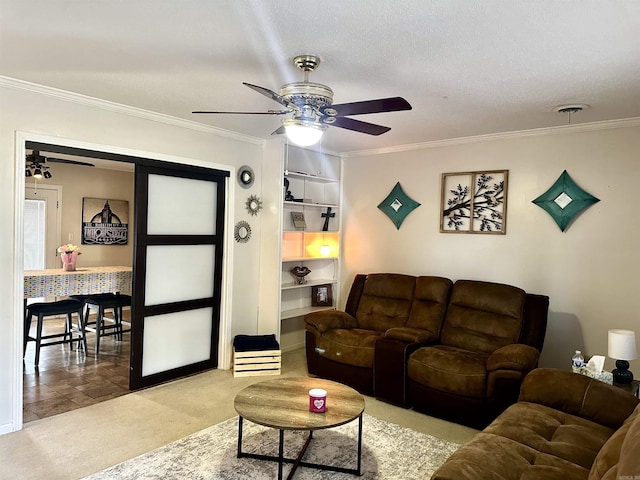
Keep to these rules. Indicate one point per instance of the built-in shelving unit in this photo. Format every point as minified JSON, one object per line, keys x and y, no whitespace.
{"x":311,"y":187}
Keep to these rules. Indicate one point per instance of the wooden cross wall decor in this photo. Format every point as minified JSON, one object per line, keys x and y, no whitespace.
{"x":327,"y":215}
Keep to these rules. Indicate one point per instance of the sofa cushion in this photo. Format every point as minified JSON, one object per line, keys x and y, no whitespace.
{"x":352,"y":347}
{"x":449,"y":369}
{"x":430,"y":304}
{"x":483,"y":316}
{"x":630,"y":455}
{"x":492,"y":457}
{"x":386,"y":301}
{"x":552,"y":431}
{"x":578,"y":395}
{"x":620,"y":456}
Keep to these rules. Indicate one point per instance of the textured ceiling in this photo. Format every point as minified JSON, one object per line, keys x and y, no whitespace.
{"x":467,"y":67}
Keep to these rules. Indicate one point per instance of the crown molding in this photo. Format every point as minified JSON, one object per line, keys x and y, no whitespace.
{"x":64,"y":95}
{"x":581,"y":127}
{"x":124,"y":109}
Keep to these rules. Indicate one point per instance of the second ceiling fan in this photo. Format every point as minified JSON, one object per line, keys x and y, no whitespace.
{"x":312,"y":109}
{"x":36,"y":164}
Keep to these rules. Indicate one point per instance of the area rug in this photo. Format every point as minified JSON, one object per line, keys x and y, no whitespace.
{"x":389,"y":451}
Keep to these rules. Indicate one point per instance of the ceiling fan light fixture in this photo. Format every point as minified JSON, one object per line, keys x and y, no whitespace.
{"x":303,"y":133}
{"x":47,"y":174}
{"x":37,"y":173}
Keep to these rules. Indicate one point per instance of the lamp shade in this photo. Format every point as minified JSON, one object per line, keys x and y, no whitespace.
{"x":303,"y":133}
{"x":622,"y":344}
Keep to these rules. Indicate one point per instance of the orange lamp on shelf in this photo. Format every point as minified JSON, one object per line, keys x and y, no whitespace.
{"x":321,"y":244}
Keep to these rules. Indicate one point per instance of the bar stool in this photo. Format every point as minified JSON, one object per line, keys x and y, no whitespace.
{"x":47,"y":309}
{"x":102,"y":302}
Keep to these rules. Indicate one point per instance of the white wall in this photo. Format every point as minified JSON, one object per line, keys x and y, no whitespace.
{"x":589,"y":272}
{"x":41,"y":111}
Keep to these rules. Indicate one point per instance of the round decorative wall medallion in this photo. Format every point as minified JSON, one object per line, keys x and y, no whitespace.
{"x":253,"y":204}
{"x":245,"y":176}
{"x":242,"y":232}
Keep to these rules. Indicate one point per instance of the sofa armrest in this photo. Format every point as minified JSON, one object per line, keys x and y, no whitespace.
{"x":410,"y":335}
{"x":578,"y":395}
{"x":518,"y":357}
{"x":329,"y":320}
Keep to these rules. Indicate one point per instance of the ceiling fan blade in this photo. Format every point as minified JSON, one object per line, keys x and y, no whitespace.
{"x":71,"y":162}
{"x":268,"y":112}
{"x":393,"y":104}
{"x":357,"y":125}
{"x":269,"y":93}
{"x":279,"y":131}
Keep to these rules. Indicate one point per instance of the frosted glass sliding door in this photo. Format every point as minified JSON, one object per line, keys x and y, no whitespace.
{"x":177,"y":271}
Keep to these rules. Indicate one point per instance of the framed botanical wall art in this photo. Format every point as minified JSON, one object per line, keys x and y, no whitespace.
{"x":474,"y":202}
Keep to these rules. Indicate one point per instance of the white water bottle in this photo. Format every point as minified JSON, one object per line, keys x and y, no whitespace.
{"x":577,"y":361}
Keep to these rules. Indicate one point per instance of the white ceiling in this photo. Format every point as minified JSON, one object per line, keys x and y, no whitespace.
{"x":467,"y":67}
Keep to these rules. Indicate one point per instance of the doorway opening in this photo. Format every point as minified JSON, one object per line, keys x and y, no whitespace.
{"x":68,"y":379}
{"x":78,"y":382}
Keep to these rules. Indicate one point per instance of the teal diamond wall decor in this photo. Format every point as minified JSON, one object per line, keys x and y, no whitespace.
{"x":398,"y":205}
{"x":565,"y":200}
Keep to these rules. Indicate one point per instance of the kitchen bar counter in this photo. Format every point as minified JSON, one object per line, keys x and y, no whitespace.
{"x":55,"y":282}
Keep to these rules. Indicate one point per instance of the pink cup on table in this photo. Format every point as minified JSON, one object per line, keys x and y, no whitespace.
{"x":317,"y":400}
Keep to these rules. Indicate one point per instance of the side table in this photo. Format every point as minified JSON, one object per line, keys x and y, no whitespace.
{"x":633,"y":388}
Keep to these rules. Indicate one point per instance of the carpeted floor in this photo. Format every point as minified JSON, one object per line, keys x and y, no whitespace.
{"x":81,"y":442}
{"x":389,"y":451}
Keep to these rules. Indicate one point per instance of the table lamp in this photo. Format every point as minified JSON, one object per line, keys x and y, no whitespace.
{"x":622,"y":347}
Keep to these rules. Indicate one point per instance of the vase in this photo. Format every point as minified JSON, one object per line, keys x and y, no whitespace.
{"x":299,"y":273}
{"x":69,"y":261}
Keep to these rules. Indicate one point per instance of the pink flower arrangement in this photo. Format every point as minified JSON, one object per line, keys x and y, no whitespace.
{"x":69,"y":248}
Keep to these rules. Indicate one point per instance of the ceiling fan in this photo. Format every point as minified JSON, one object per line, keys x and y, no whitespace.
{"x":312,"y":108}
{"x":37,"y":165}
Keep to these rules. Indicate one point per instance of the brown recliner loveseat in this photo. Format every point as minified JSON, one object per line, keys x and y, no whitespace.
{"x":390,"y":318}
{"x":491,"y":337}
{"x":341,"y":345}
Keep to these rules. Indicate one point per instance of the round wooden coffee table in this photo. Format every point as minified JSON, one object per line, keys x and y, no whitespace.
{"x":283,"y":403}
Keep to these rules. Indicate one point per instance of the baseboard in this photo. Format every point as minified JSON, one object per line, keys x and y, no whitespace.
{"x":7,"y":428}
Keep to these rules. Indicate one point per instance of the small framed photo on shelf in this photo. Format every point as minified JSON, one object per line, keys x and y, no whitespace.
{"x":298,"y":220}
{"x":321,"y":295}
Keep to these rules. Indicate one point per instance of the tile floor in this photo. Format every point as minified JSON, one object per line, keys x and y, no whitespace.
{"x":69,"y":379}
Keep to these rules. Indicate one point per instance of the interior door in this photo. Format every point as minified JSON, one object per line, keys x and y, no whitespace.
{"x":42,"y":226}
{"x":179,"y":218}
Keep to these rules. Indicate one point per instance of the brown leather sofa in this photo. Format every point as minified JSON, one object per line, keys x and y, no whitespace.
{"x":565,"y":426}
{"x":390,"y":318}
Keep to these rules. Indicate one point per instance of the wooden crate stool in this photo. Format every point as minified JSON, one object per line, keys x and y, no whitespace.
{"x":256,"y":355}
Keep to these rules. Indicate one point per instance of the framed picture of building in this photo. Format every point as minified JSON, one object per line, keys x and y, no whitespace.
{"x":105,"y":221}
